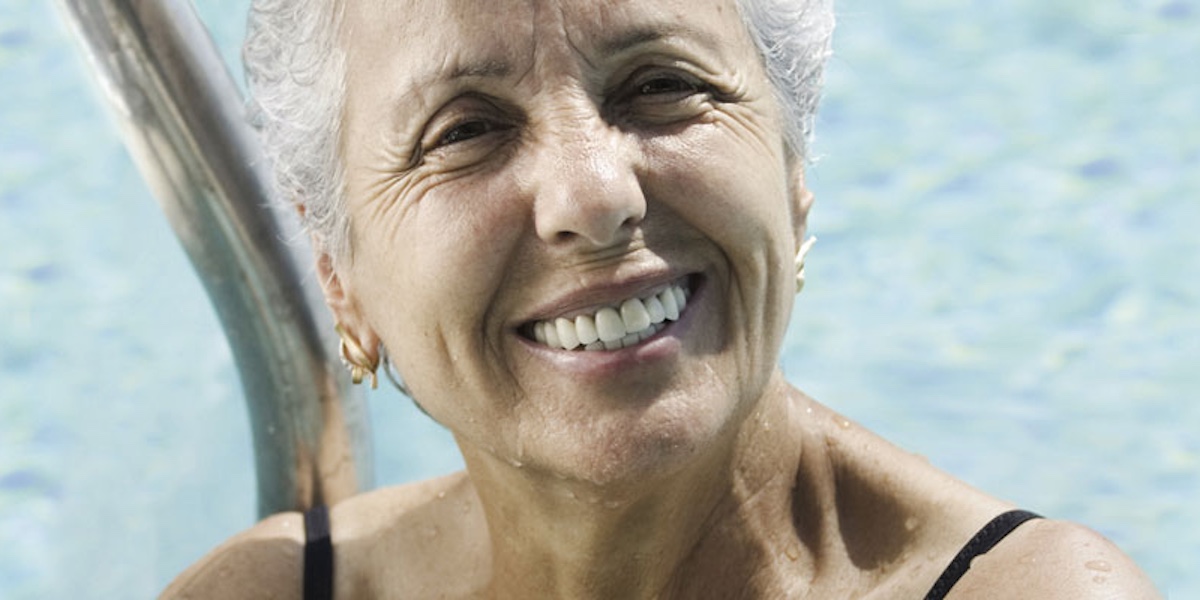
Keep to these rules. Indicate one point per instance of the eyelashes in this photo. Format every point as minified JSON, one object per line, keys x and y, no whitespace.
{"x":472,"y":126}
{"x":464,"y":130}
{"x":467,"y":130}
{"x":656,"y":96}
{"x":664,"y":87}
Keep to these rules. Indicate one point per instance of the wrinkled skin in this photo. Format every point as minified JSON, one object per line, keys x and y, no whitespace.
{"x":560,"y":173}
{"x":512,"y":161}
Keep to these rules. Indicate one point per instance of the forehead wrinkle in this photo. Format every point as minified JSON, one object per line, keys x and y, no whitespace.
{"x":453,"y":70}
{"x":639,"y":36}
{"x":625,"y":26}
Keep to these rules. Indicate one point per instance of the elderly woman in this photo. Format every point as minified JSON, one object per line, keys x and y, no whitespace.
{"x":577,"y":229}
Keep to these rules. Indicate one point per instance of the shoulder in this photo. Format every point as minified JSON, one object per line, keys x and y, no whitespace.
{"x":411,"y":524}
{"x":420,"y":540}
{"x":367,"y":514}
{"x":893,"y":504}
{"x":265,"y":561}
{"x":1055,"y":559}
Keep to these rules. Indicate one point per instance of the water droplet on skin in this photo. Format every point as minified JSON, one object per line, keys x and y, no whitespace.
{"x":793,"y":553}
{"x":441,"y":495}
{"x":1099,"y":579}
{"x":1098,"y":565}
{"x":844,"y":424}
{"x":911,"y":524}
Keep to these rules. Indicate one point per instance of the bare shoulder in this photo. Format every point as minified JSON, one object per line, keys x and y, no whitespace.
{"x":365,"y":514}
{"x":892,"y":504}
{"x":265,"y":561}
{"x":1055,"y":559}
{"x":411,"y":524}
{"x":420,"y":540}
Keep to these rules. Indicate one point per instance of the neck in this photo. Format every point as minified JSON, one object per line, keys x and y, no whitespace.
{"x":723,"y":519}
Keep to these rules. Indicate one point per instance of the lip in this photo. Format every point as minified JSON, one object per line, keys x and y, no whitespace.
{"x":600,"y":364}
{"x":591,"y":299}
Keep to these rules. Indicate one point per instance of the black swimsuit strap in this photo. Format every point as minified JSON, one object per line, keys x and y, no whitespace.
{"x":318,"y":552}
{"x":987,"y":538}
{"x":318,"y":555}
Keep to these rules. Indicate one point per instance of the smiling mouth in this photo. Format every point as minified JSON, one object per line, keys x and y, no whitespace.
{"x":616,"y":326}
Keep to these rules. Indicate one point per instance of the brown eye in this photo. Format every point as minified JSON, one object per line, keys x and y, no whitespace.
{"x":659,"y":96}
{"x":666,"y":85}
{"x":466,"y":131}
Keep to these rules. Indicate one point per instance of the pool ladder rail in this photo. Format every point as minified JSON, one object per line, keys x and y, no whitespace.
{"x":183,"y":121}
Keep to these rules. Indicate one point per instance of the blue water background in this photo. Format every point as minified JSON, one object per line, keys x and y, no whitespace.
{"x":1007,"y":282}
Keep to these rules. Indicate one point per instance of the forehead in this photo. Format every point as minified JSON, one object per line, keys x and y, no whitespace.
{"x":450,"y":20}
{"x":426,"y":39}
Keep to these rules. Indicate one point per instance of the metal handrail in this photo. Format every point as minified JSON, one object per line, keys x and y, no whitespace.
{"x":182,"y":120}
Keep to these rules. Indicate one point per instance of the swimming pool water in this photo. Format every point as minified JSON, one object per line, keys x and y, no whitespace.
{"x":1007,"y":282}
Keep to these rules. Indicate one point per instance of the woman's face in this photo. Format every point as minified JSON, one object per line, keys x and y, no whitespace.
{"x":519,"y":165}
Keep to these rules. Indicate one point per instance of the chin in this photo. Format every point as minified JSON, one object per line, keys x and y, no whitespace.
{"x":639,"y":445}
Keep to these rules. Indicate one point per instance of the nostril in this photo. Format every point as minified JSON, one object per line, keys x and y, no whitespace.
{"x":596,"y":214}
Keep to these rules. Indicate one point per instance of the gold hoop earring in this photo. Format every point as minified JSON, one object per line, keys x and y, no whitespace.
{"x":356,"y":359}
{"x":803,"y":252}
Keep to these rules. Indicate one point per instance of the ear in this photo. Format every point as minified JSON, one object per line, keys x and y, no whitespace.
{"x":343,"y":303}
{"x":800,"y":199}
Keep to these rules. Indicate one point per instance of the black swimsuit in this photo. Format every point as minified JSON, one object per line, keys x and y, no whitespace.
{"x":318,"y":552}
{"x":318,"y":555}
{"x":986,"y":539}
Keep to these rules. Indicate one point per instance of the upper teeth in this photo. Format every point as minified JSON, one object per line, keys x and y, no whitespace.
{"x":614,"y":327}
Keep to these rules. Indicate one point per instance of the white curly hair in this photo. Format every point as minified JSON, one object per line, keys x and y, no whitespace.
{"x":296,"y":77}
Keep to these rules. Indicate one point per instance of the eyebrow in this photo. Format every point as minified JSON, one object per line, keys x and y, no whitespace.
{"x":634,"y":37}
{"x":652,"y":33}
{"x":497,"y":69}
{"x":488,"y":69}
{"x":484,"y":69}
{"x":623,"y":41}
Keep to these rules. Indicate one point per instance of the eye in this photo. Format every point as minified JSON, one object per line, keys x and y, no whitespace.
{"x":658,"y":96}
{"x":465,"y":131}
{"x":666,"y":85}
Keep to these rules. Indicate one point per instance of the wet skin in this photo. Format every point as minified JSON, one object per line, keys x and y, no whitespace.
{"x":512,"y":162}
{"x":589,"y":153}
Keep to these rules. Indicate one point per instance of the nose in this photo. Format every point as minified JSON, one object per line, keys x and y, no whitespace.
{"x":588,"y":193}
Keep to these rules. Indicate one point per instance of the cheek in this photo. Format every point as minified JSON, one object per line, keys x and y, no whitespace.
{"x":429,"y":276}
{"x":731,"y":188}
{"x":451,"y":239}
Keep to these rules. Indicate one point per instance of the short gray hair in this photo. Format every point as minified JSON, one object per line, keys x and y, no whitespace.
{"x":295,"y":73}
{"x":296,"y":76}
